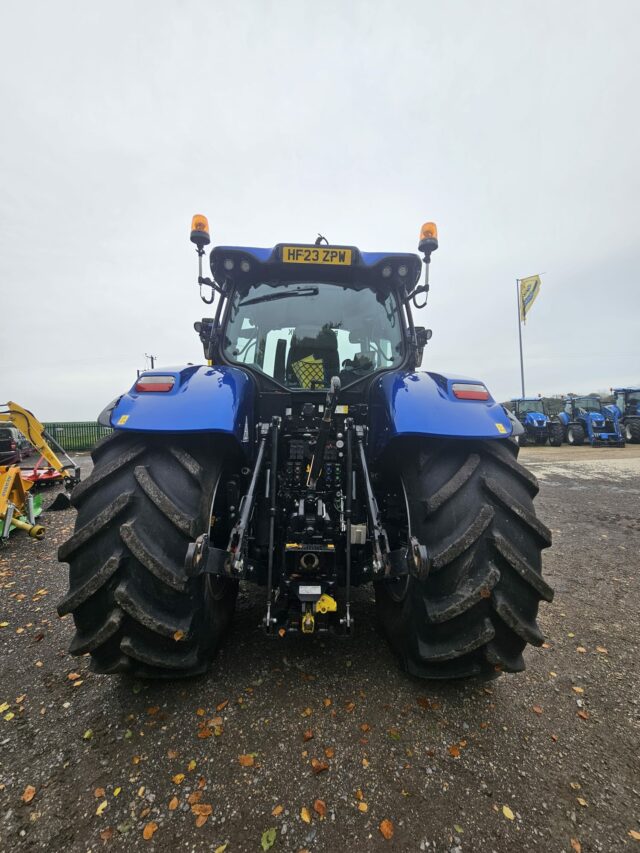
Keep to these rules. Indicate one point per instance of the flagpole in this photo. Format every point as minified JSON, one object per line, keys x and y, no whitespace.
{"x":520,"y":334}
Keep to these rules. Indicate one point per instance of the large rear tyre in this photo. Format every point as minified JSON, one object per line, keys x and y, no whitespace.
{"x":134,"y":607}
{"x":471,"y":504}
{"x":556,"y":434}
{"x":632,"y":431}
{"x":575,"y":435}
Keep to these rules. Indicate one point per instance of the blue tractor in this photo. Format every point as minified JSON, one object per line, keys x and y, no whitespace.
{"x":586,"y":419}
{"x":539,"y":426}
{"x":627,"y":409}
{"x":308,"y":454}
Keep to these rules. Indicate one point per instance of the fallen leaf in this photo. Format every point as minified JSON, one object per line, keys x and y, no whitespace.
{"x":454,"y":751}
{"x":77,"y":683}
{"x":205,"y":733}
{"x":363,"y":807}
{"x":458,"y":828}
{"x":178,"y":779}
{"x":221,"y":848}
{"x":202,"y":809}
{"x":327,"y":702}
{"x":537,"y":709}
{"x":320,"y":807}
{"x":178,"y":635}
{"x":365,"y":762}
{"x":153,"y":710}
{"x":330,"y":752}
{"x":247,"y":760}
{"x":191,"y":765}
{"x":581,"y":649}
{"x":173,"y":804}
{"x":268,"y":838}
{"x":4,"y":707}
{"x":394,"y":734}
{"x":506,"y":811}
{"x":281,"y":633}
{"x":634,"y":834}
{"x":578,"y":689}
{"x":88,"y":734}
{"x":575,"y":785}
{"x":602,"y":650}
{"x":201,"y":712}
{"x":73,"y":676}
{"x":582,"y":802}
{"x":386,"y":828}
{"x":8,"y":717}
{"x":276,"y":811}
{"x":101,"y":808}
{"x":584,"y":715}
{"x":149,"y":829}
{"x":308,"y":735}
{"x":318,"y":766}
{"x":28,"y":794}
{"x":98,"y":793}
{"x":576,"y":846}
{"x":172,"y":753}
{"x":222,"y":705}
{"x":365,"y":727}
{"x":307,"y":712}
{"x":349,"y":707}
{"x":107,"y":834}
{"x":116,"y":791}
{"x":201,"y":820}
{"x":194,"y":797}
{"x":305,"y":814}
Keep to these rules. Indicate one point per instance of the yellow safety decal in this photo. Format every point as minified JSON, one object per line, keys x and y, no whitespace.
{"x":123,"y":419}
{"x":501,"y":428}
{"x":342,"y":410}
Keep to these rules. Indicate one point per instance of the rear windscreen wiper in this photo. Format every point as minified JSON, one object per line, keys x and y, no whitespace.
{"x":271,"y":297}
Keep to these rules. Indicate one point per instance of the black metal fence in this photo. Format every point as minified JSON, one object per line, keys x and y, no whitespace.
{"x":77,"y":435}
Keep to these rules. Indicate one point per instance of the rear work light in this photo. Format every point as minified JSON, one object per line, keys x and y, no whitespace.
{"x":155,"y":382}
{"x":468,"y":391}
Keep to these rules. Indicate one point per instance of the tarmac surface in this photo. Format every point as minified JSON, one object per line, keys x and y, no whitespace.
{"x":546,"y":760}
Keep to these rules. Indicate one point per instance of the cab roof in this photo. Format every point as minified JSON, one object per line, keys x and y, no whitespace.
{"x":308,"y":262}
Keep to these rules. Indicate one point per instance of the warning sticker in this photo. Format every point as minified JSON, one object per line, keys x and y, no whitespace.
{"x":501,"y":428}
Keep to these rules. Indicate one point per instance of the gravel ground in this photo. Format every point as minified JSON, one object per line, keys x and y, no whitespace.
{"x":547,"y":760}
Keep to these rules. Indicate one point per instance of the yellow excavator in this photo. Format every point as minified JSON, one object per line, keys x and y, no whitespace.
{"x":17,"y":506}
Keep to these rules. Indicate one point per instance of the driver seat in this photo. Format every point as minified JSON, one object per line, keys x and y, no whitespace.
{"x":313,"y":357}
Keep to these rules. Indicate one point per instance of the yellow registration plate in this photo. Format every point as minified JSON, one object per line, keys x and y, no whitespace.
{"x":316,"y":255}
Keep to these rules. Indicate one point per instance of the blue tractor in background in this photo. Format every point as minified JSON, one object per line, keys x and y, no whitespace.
{"x":586,"y":419}
{"x":627,"y":409}
{"x":309,"y":455}
{"x":539,"y":426}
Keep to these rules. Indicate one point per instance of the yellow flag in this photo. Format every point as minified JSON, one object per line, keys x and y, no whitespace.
{"x":529,"y":290}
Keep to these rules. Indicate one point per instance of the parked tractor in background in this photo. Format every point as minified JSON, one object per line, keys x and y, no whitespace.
{"x":308,"y":455}
{"x":627,"y":409}
{"x":586,"y":419}
{"x":539,"y":427}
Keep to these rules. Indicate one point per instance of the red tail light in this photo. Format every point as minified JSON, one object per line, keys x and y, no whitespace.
{"x":155,"y":382}
{"x":469,"y":391}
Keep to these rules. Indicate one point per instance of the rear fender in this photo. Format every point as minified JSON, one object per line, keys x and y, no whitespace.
{"x":404,"y":404}
{"x":202,"y":399}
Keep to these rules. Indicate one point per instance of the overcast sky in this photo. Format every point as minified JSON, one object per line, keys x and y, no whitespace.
{"x":514,"y":125}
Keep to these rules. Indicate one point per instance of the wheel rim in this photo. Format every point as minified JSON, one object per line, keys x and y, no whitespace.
{"x":570,"y":436}
{"x":627,"y":431}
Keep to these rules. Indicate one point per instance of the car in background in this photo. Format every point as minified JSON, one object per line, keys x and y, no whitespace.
{"x":14,"y":447}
